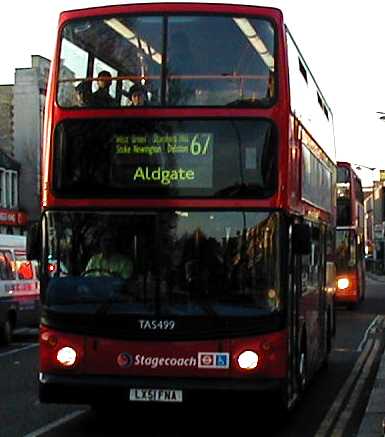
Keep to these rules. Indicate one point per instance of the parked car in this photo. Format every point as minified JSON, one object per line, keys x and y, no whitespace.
{"x":19,"y":287}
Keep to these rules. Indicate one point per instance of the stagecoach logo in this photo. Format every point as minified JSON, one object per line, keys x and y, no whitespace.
{"x":124,"y":359}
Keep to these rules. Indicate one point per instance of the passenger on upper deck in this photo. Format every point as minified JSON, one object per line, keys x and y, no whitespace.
{"x":102,"y":98}
{"x":83,"y":93}
{"x":138,"y":95}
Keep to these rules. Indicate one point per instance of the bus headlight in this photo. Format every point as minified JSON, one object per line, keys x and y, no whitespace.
{"x":343,"y":283}
{"x":248,"y":360}
{"x":66,"y":356}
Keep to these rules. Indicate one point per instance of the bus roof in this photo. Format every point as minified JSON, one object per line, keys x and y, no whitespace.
{"x":163,"y":6}
{"x":344,"y":164}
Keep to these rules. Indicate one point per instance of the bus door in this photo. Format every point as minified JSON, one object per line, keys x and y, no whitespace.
{"x":312,"y":301}
{"x":294,"y":291}
{"x":322,"y":304}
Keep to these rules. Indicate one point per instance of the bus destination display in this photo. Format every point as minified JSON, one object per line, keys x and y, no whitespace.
{"x":176,"y":160}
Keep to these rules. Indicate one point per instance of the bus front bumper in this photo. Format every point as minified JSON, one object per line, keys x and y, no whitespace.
{"x":350,"y":296}
{"x":106,"y":389}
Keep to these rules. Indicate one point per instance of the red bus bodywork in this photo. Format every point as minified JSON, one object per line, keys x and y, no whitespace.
{"x":99,"y":360}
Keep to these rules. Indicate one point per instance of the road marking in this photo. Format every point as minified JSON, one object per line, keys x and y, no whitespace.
{"x":20,"y":349}
{"x":368,"y":329}
{"x":26,"y":331}
{"x":339,"y":429}
{"x":55,"y":424}
{"x":335,"y":409}
{"x":336,"y":419}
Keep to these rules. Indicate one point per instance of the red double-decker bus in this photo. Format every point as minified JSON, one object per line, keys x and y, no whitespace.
{"x":192,"y":225}
{"x":350,"y":255}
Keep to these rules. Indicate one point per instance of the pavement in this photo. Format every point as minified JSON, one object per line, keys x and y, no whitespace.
{"x":372,"y":421}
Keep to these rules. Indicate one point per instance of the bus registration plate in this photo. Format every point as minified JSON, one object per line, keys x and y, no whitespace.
{"x":155,"y":395}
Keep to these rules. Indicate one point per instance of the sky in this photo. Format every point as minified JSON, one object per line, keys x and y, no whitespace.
{"x":342,"y":43}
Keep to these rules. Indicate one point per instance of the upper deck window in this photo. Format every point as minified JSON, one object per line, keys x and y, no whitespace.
{"x":170,"y":61}
{"x":344,"y":207}
{"x":343,"y":175}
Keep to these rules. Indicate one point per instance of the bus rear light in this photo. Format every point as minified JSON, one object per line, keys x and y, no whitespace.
{"x":248,"y":360}
{"x":66,"y":356}
{"x":343,"y":283}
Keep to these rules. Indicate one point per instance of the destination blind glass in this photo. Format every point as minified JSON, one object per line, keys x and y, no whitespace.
{"x":167,"y":158}
{"x":182,"y":160}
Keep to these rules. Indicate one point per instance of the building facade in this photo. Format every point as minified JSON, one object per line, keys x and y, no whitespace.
{"x":13,"y":219}
{"x":375,"y":226}
{"x":6,"y":119}
{"x":21,"y":119}
{"x":28,"y":108}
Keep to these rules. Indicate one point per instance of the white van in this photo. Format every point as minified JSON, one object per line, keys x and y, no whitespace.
{"x":19,"y":287}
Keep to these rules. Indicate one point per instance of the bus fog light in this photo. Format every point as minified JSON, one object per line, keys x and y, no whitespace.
{"x":343,"y":283}
{"x":66,"y":356}
{"x":248,"y":360}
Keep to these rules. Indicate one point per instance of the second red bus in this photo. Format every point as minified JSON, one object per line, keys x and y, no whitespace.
{"x":350,"y":243}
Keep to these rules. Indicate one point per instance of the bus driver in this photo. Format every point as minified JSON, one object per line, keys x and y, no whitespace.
{"x":109,"y":261}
